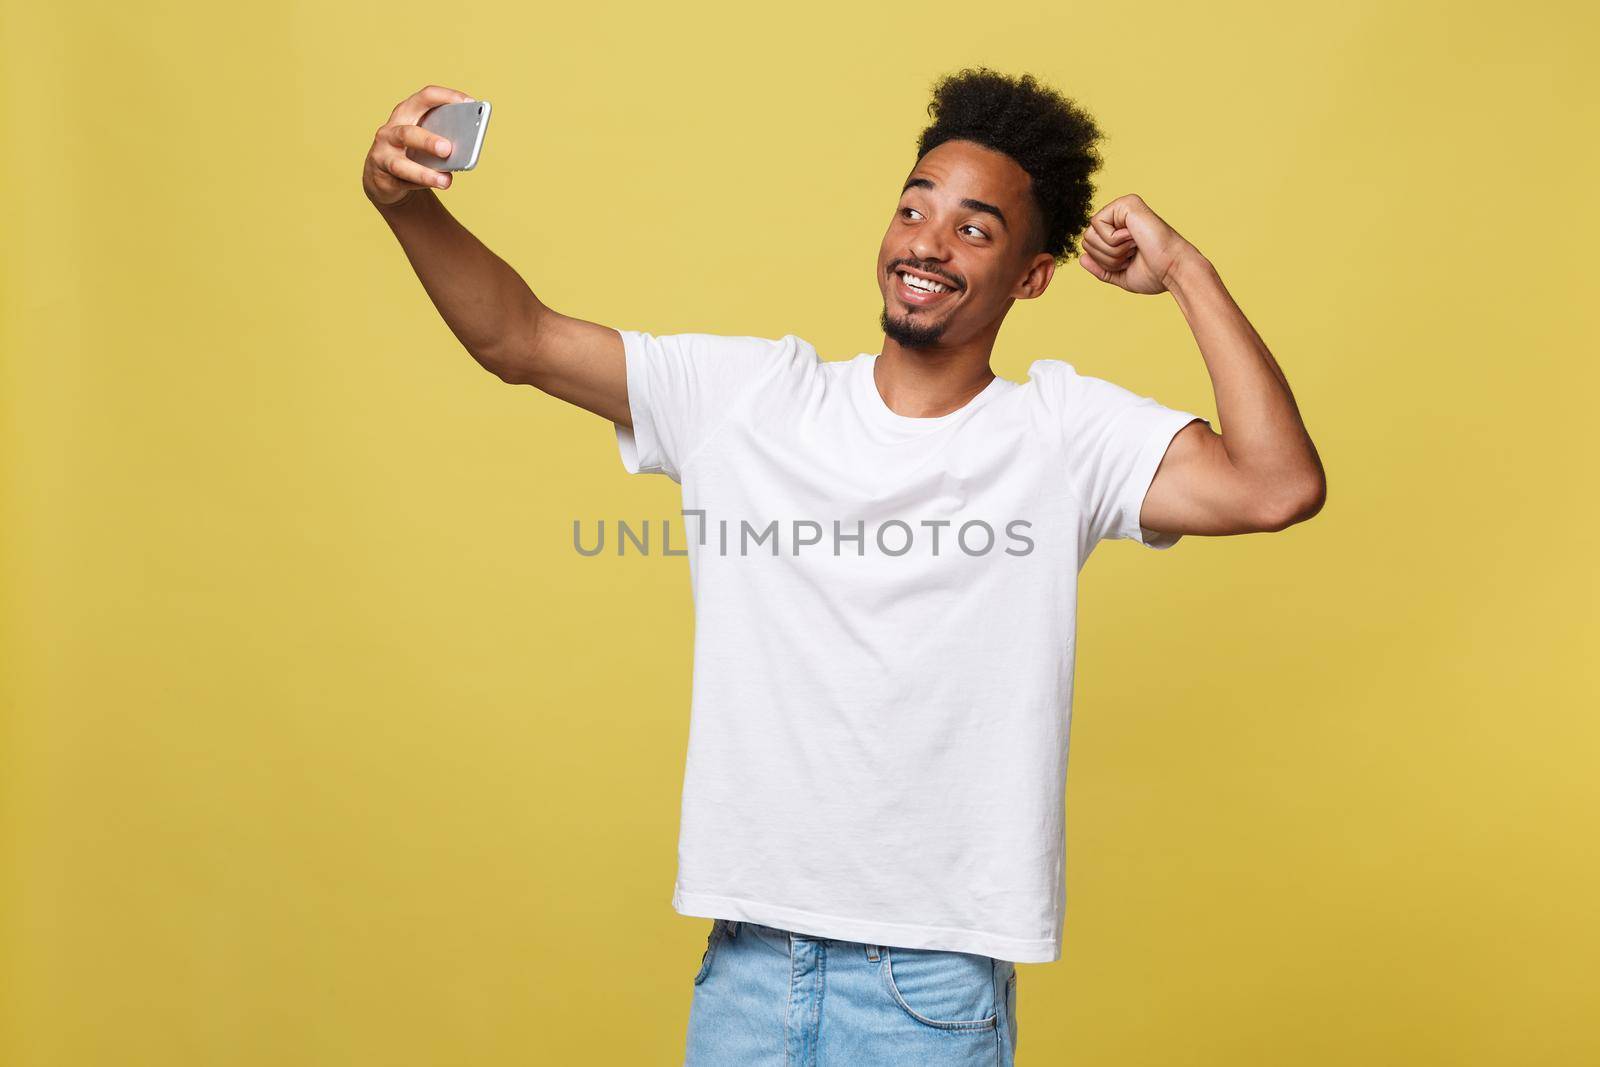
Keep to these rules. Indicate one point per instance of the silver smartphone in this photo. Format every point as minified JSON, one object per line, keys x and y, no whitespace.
{"x":460,"y":124}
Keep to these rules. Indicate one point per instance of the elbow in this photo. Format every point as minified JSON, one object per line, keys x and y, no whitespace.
{"x":511,"y":365}
{"x":514,"y":360}
{"x":496,"y":361}
{"x":1317,"y":498}
{"x":1285,"y":508}
{"x":507,"y":371}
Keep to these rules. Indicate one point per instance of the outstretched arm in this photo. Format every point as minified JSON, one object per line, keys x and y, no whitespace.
{"x":1261,"y":472}
{"x":487,"y":305}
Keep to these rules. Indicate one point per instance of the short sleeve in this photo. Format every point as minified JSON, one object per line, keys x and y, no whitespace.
{"x":682,"y":386}
{"x":1115,"y":440}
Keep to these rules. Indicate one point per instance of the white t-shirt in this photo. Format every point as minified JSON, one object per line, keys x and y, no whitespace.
{"x":884,"y":633}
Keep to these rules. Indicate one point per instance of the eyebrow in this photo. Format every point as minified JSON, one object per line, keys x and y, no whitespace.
{"x":968,"y":203}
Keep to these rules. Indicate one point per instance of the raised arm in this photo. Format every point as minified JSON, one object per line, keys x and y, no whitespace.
{"x":1261,"y":472}
{"x":486,"y":304}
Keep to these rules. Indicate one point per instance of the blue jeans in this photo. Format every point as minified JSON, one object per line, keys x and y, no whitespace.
{"x":767,"y":997}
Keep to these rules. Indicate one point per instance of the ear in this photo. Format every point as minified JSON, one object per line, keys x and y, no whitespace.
{"x":1033,"y":284}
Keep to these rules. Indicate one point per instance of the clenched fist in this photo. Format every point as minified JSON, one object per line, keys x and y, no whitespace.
{"x":1131,"y":247}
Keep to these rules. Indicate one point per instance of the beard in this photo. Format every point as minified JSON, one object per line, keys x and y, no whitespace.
{"x":908,"y":333}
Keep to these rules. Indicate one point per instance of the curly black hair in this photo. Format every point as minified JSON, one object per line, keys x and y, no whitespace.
{"x":1049,"y":136}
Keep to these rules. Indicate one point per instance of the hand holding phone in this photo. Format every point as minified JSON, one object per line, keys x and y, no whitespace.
{"x":430,"y":133}
{"x":462,"y":125}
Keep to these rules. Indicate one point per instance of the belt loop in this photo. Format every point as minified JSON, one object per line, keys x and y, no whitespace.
{"x":873,"y":952}
{"x":733,"y":928}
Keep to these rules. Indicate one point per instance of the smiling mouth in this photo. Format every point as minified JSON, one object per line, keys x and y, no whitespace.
{"x":920,"y":292}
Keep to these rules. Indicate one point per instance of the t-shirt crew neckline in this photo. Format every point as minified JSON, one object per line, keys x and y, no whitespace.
{"x":873,"y":405}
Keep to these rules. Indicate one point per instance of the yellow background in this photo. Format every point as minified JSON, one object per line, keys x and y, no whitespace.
{"x":322,"y":746}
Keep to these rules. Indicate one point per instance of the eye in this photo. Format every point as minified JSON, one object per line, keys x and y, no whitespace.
{"x":910,"y":209}
{"x":970,"y":226}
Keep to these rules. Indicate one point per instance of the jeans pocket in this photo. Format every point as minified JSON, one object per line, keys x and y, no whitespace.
{"x":713,"y":939}
{"x":944,"y":990}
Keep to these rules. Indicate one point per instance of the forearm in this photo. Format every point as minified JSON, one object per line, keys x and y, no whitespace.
{"x":1261,"y":426}
{"x":481,"y":298}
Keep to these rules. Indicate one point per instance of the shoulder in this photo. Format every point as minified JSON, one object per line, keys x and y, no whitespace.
{"x":788,"y":349}
{"x":1050,"y":378}
{"x":1062,"y":382}
{"x":1070,"y":392}
{"x":790,"y":352}
{"x":1056,"y":389}
{"x":720,"y":366}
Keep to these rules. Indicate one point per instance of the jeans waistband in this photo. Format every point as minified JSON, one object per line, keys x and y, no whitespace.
{"x":732,"y":927}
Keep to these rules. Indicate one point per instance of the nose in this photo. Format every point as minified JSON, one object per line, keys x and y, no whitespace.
{"x":927,"y":247}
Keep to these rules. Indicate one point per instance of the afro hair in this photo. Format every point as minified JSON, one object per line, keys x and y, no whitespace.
{"x":1048,"y":135}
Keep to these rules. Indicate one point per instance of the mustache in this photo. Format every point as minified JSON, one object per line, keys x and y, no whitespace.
{"x":933,"y":272}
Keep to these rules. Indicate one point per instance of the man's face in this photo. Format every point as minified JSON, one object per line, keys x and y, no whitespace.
{"x":966,"y":221}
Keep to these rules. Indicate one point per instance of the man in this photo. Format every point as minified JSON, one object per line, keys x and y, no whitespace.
{"x":884,"y":553}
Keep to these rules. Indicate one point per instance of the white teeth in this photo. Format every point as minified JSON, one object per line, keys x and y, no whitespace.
{"x":923,"y":284}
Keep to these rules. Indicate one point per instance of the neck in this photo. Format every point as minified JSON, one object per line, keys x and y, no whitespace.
{"x":924,"y":383}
